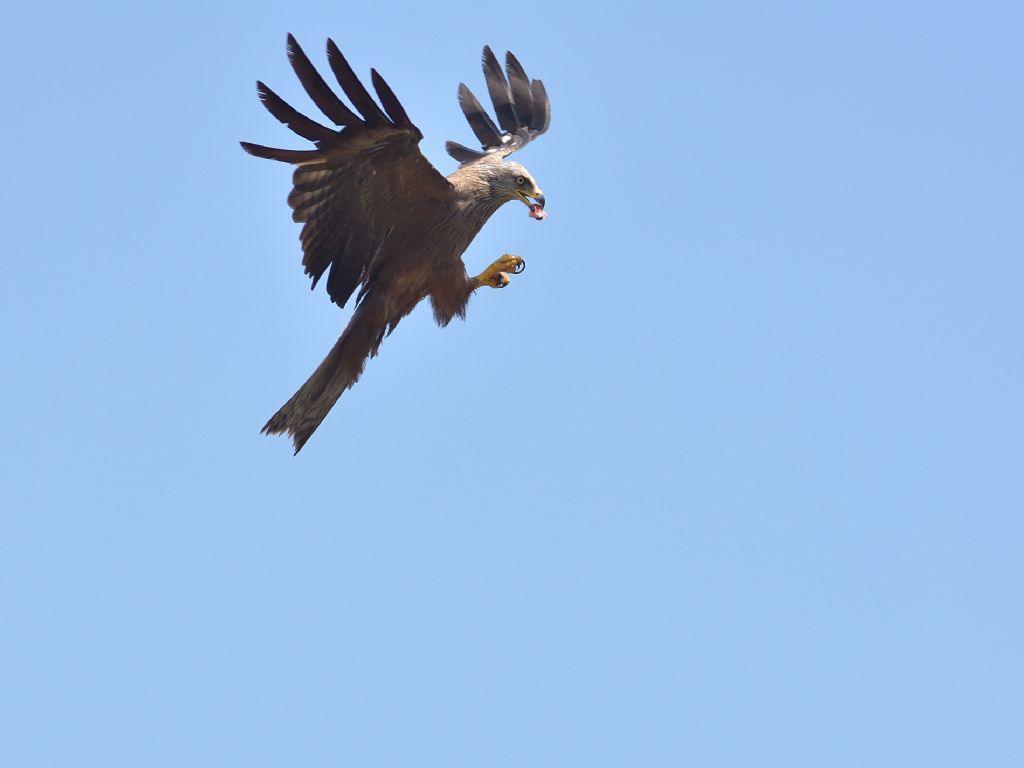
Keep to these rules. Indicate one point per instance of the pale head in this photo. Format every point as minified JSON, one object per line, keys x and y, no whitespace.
{"x":514,"y":182}
{"x":501,"y":181}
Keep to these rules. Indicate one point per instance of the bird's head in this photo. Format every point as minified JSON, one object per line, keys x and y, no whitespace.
{"x":511,"y":181}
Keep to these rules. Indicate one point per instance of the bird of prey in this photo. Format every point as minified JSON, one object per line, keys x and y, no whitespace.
{"x":377,"y":216}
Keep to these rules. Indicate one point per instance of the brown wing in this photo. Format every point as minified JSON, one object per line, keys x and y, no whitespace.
{"x":351,"y":191}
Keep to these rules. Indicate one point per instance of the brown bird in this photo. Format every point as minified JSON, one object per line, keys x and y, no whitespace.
{"x":384,"y":220}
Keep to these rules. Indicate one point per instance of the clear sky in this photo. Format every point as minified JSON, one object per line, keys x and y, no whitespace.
{"x":730,"y":476}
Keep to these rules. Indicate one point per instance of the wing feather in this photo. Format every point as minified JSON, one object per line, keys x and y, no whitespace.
{"x":360,"y":183}
{"x":295,"y":156}
{"x":325,"y":99}
{"x":354,"y":89}
{"x":521,"y":105}
{"x":478,"y":119}
{"x":520,"y":85}
{"x":461,"y":153}
{"x":287,"y":114}
{"x":497,"y":87}
{"x":542,"y":119}
{"x":391,"y":103}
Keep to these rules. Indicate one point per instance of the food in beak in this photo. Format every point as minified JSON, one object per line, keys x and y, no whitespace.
{"x":536,"y":212}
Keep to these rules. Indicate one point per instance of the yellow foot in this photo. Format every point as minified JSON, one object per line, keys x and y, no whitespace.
{"x":497,"y":275}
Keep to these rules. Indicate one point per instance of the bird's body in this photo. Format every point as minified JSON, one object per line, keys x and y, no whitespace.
{"x":380,"y":218}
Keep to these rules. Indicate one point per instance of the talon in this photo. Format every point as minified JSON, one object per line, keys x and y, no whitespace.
{"x":497,"y":275}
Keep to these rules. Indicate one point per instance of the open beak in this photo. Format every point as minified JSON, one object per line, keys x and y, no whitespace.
{"x":536,"y":207}
{"x":539,"y":198}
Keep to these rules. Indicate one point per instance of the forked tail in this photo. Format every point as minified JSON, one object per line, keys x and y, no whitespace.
{"x":302,"y":414}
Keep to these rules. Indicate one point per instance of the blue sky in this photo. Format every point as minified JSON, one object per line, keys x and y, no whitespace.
{"x":730,"y":476}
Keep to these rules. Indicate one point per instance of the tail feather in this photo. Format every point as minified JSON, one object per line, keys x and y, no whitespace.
{"x":307,"y":408}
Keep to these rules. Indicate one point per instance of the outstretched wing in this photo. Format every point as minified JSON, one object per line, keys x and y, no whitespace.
{"x":521,"y":105}
{"x":356,"y":187}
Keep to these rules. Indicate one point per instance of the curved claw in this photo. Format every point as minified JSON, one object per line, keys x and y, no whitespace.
{"x":497,"y":274}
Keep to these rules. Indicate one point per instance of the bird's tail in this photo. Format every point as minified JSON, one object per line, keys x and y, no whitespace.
{"x":302,"y":414}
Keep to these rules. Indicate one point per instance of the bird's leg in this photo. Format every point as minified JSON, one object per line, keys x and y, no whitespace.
{"x":497,"y":275}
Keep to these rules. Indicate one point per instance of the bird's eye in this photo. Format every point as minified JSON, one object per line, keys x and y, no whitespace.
{"x":521,"y":180}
